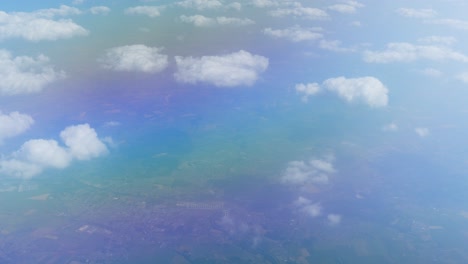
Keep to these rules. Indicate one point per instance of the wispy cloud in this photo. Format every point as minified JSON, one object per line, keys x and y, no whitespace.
{"x":307,"y":90}
{"x":200,"y":4}
{"x":99,"y":10}
{"x":348,"y":7}
{"x":407,"y":52}
{"x":295,"y":34}
{"x":203,"y":21}
{"x":416,"y":13}
{"x":297,"y":10}
{"x":234,"y":69}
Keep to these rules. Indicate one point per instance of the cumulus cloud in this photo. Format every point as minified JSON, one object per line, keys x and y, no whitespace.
{"x":297,"y":10}
{"x":348,"y":7}
{"x":203,"y":21}
{"x":367,"y":89}
{"x":36,"y":155}
{"x":416,"y":13}
{"x":13,"y":124}
{"x":407,"y":52}
{"x":295,"y":34}
{"x":234,"y":69}
{"x":21,"y":75}
{"x":151,"y":11}
{"x":422,"y":131}
{"x":200,"y":4}
{"x":311,"y":171}
{"x":40,"y":25}
{"x":135,"y":58}
{"x":307,"y":90}
{"x":99,"y":10}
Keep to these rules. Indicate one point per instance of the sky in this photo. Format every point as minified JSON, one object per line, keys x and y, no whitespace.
{"x":308,"y":94}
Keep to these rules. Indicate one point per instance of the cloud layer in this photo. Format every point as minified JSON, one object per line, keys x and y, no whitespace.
{"x":234,"y":69}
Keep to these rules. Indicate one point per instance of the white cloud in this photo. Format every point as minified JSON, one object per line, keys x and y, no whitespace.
{"x":422,"y":131}
{"x":307,"y":90}
{"x":40,"y":25}
{"x":334,"y":219}
{"x":312,"y":171}
{"x":203,"y":21}
{"x":99,"y":10}
{"x":112,"y":124}
{"x":13,"y":124}
{"x":44,"y":153}
{"x":367,"y":89}
{"x":416,"y":13}
{"x":348,"y":7}
{"x":407,"y":52}
{"x":391,"y":127}
{"x":295,"y":34}
{"x":234,"y":69}
{"x":24,"y":74}
{"x":298,"y":10}
{"x":83,"y":142}
{"x":151,"y":11}
{"x":201,"y":4}
{"x":135,"y":58}
{"x":36,"y":155}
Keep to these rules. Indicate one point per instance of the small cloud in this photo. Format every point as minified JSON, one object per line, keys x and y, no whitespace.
{"x":370,"y":90}
{"x":314,"y":171}
{"x":135,"y":58}
{"x":234,"y":69}
{"x":294,"y":34}
{"x":13,"y":124}
{"x":391,"y":127}
{"x":299,"y":11}
{"x":416,"y":13}
{"x":200,"y":4}
{"x":264,"y":3}
{"x":453,"y":23}
{"x":307,"y":90}
{"x":151,"y":11}
{"x":99,"y":10}
{"x":23,"y":75}
{"x":234,"y":21}
{"x":334,"y":219}
{"x":422,"y":131}
{"x":333,"y":45}
{"x":348,"y":7}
